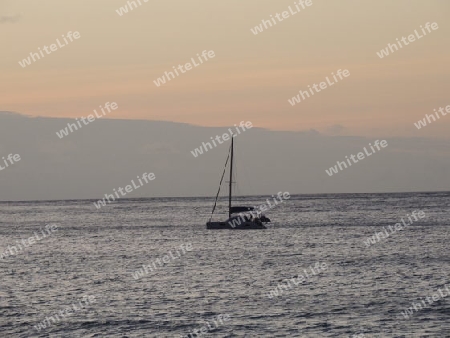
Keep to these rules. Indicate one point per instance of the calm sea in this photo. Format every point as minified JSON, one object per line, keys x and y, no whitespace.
{"x":362,"y":293}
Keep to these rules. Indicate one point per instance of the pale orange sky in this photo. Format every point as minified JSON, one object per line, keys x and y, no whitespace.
{"x":251,"y":78}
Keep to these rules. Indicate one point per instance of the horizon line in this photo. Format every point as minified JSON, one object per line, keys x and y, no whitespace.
{"x":212,"y":197}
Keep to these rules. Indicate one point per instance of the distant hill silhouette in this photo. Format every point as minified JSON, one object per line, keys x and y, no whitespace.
{"x":109,"y":153}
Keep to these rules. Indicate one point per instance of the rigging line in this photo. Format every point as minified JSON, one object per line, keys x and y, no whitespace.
{"x":220,"y":184}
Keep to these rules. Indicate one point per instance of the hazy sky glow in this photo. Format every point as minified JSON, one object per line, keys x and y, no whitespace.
{"x":118,"y":57}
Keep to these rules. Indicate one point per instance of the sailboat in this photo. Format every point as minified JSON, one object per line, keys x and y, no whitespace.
{"x":239,"y":218}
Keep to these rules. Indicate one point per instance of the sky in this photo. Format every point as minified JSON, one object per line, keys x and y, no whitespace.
{"x":118,"y":58}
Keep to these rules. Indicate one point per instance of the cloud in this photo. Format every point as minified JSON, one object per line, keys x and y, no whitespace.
{"x":10,"y":18}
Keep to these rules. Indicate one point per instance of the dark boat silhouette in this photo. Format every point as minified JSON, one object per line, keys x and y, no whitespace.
{"x":239,"y":217}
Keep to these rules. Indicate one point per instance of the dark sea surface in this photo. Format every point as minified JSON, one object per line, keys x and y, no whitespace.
{"x":95,"y":252}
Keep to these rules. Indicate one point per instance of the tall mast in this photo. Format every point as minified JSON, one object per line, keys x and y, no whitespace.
{"x":231,"y":180}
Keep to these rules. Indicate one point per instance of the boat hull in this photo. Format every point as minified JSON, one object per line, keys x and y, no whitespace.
{"x":227,"y":226}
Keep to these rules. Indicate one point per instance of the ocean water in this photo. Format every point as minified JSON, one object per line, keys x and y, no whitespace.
{"x":361,"y":293}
